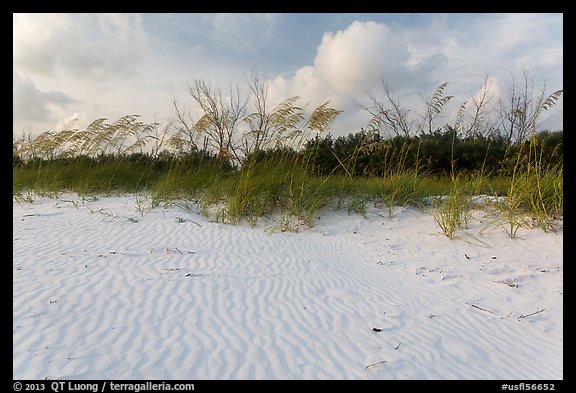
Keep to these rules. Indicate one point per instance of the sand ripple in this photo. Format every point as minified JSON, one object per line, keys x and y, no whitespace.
{"x":100,"y":292}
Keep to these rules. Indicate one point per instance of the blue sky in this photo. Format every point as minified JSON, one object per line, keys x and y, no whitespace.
{"x":86,"y":66}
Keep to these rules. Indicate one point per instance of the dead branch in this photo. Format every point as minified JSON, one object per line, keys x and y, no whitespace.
{"x":374,"y":364}
{"x":480,"y":308}
{"x":529,"y":315}
{"x":510,"y":284}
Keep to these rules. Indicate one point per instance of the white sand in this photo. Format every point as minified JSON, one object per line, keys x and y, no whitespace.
{"x":101,"y":291}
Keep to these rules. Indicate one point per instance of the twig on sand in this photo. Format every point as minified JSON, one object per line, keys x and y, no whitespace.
{"x":529,"y":315}
{"x":374,"y":364}
{"x":510,"y":284}
{"x":480,"y":308}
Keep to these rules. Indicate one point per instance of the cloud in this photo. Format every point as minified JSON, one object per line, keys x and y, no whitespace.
{"x":84,"y":46}
{"x":499,"y":44}
{"x":462,"y":49}
{"x":60,"y":56}
{"x":518,"y":31}
{"x":77,"y":120}
{"x":125,"y":28}
{"x":353,"y":59}
{"x":243,"y":32}
{"x":31,"y":105}
{"x":127,"y":63}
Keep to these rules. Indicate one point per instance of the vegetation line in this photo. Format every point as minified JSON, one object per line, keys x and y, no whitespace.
{"x":240,"y":166}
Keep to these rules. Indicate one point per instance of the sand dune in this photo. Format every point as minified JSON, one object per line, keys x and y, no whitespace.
{"x":102,"y":291}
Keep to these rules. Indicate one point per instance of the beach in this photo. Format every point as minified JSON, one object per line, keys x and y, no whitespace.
{"x":109,"y":288}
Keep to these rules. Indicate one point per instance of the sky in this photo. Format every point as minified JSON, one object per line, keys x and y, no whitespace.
{"x":76,"y":68}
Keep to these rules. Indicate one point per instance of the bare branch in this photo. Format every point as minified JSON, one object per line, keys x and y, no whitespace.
{"x":479,"y":124}
{"x":392,"y":119}
{"x":221,"y":115}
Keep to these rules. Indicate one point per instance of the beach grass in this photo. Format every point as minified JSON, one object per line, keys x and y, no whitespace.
{"x":247,"y":194}
{"x":290,"y":169}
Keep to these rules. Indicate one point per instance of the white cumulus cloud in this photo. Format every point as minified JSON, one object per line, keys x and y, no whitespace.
{"x":354,"y":58}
